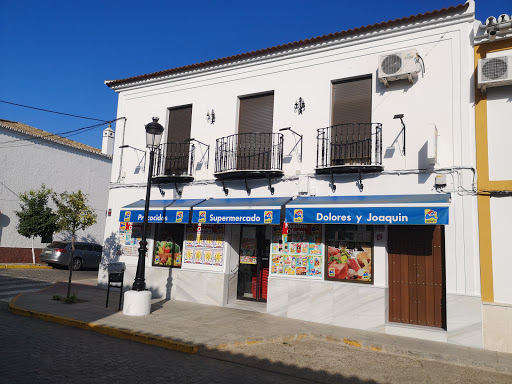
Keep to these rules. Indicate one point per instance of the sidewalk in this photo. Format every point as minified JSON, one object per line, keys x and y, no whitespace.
{"x":210,"y":330}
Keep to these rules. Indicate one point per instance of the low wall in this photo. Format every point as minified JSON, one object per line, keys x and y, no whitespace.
{"x":18,"y":255}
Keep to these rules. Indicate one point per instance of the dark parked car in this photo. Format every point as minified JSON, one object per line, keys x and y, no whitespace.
{"x":87,"y":255}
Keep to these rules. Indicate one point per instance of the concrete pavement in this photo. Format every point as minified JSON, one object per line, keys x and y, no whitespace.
{"x":211,"y":330}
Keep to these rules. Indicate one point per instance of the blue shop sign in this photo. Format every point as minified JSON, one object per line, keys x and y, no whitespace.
{"x":236,"y":216}
{"x":156,"y":216}
{"x":368,"y":215}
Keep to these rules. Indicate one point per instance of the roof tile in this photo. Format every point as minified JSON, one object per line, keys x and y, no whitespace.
{"x":283,"y":47}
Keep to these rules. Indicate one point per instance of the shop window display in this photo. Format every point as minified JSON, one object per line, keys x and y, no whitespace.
{"x":204,"y":244}
{"x":349,"y":253}
{"x":297,"y":250}
{"x":168,"y":245}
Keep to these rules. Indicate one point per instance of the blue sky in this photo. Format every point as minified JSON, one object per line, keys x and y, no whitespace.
{"x":56,"y":55}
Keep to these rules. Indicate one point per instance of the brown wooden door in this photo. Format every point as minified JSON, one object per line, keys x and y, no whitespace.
{"x":416,"y":275}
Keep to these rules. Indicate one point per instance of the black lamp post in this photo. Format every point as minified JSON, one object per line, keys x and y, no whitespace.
{"x":153,"y":136}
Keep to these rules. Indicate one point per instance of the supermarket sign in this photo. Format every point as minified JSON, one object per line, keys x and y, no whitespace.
{"x":236,"y":216}
{"x":368,"y":215}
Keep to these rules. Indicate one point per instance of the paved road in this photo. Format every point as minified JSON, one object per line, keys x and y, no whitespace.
{"x":11,"y":286}
{"x":35,"y":351}
{"x":14,"y":281}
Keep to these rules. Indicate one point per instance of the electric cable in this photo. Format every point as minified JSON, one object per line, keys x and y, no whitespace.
{"x":50,"y":111}
{"x":60,"y":134}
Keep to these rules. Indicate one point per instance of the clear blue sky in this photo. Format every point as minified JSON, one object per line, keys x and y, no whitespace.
{"x":57,"y":54}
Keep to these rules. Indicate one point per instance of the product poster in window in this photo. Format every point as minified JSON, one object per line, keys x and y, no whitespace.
{"x":204,"y":244}
{"x":130,"y":235}
{"x":168,"y":245}
{"x":297,"y":250}
{"x":349,"y":249}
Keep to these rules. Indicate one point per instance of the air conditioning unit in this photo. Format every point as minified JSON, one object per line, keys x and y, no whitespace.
{"x":494,"y":72}
{"x":398,"y":66}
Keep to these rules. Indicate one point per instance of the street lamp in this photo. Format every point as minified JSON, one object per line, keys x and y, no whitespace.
{"x":138,"y":300}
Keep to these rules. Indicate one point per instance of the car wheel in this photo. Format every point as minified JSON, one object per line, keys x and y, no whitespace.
{"x":77,"y":264}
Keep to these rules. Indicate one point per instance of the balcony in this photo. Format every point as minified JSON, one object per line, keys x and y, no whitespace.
{"x":249,"y":155}
{"x":174,"y":163}
{"x":349,"y":148}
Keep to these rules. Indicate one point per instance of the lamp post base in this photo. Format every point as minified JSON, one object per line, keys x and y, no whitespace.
{"x":137,"y":303}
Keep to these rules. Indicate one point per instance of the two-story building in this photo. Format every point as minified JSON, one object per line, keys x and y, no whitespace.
{"x":329,"y":180}
{"x":493,"y":110}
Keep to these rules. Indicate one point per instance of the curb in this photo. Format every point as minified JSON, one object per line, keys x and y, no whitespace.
{"x":14,"y":266}
{"x":104,"y":329}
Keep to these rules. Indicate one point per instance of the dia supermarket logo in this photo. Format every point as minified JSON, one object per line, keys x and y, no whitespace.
{"x":127,"y":215}
{"x":202,"y":217}
{"x":179,"y":216}
{"x":430,"y":216}
{"x":268,"y":217}
{"x":298,"y":215}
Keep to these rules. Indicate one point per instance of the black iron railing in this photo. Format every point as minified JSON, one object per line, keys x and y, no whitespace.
{"x":349,"y":144}
{"x":249,"y":152}
{"x":174,"y":159}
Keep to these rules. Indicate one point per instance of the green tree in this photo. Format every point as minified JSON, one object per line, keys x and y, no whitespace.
{"x":36,"y":218}
{"x":73,"y":214}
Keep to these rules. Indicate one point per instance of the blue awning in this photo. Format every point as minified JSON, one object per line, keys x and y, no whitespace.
{"x":379,"y":209}
{"x":265,"y":210}
{"x":160,"y":211}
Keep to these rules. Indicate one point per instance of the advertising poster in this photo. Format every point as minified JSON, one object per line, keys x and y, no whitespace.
{"x":168,"y":244}
{"x":167,"y":253}
{"x":204,"y":244}
{"x":208,"y":256}
{"x":129,"y":237}
{"x":297,"y":250}
{"x":349,"y":249}
{"x":189,"y":256}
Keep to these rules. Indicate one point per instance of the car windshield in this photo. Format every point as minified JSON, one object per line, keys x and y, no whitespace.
{"x":57,"y":244}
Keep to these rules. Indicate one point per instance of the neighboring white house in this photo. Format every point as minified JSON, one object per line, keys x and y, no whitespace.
{"x":31,"y":157}
{"x":493,"y":107}
{"x":362,"y":214}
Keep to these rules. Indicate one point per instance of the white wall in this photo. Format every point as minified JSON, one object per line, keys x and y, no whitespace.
{"x":440,"y":97}
{"x":26,"y":166}
{"x":499,"y":127}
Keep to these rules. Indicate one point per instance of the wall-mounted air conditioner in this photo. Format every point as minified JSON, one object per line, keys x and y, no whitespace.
{"x":494,"y":72}
{"x":398,"y":66}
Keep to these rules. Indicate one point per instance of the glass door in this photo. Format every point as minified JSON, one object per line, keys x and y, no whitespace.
{"x":254,"y":263}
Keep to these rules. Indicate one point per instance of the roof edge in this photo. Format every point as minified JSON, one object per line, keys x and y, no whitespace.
{"x":297,"y":44}
{"x":39,"y":133}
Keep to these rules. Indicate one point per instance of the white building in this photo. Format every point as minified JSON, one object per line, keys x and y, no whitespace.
{"x":31,"y":157}
{"x":493,"y":95}
{"x":379,"y":161}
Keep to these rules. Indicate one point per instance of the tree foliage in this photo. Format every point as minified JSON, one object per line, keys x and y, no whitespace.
{"x":73,"y":214}
{"x":36,"y":218}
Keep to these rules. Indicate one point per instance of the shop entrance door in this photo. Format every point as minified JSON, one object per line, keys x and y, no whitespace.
{"x":254,"y":263}
{"x":416,"y":275}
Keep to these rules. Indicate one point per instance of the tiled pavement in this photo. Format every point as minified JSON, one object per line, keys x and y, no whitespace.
{"x":204,"y":328}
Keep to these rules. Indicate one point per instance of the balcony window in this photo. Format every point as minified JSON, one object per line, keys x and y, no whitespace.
{"x":175,"y":157}
{"x":255,"y":149}
{"x":353,"y":142}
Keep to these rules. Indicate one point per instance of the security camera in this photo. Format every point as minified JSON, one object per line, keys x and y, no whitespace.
{"x":492,"y":35}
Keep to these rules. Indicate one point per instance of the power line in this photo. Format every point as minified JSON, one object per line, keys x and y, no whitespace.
{"x":61,"y":134}
{"x":47,"y":110}
{"x":33,"y":140}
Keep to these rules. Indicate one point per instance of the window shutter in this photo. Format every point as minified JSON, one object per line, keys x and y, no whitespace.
{"x":180,"y":121}
{"x":352,"y":101}
{"x":256,"y":114}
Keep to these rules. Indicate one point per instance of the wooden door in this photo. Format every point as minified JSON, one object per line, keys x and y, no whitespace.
{"x":416,"y":275}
